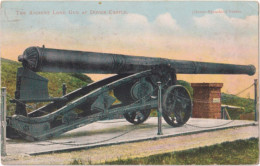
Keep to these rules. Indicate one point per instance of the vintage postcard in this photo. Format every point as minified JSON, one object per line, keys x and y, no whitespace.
{"x":129,"y":82}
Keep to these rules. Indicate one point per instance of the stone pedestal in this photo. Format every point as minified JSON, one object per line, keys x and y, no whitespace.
{"x":206,"y":100}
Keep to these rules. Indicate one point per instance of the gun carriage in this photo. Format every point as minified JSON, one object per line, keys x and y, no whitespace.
{"x":134,"y":85}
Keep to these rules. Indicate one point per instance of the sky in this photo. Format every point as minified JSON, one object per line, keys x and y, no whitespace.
{"x":221,"y":32}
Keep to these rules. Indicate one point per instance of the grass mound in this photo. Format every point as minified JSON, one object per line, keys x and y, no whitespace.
{"x":8,"y":79}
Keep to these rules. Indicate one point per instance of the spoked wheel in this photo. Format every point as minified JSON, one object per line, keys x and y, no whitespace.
{"x":176,"y":105}
{"x":137,"y":117}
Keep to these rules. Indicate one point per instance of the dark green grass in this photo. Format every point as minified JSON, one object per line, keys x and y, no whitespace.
{"x":228,"y":153}
{"x":246,"y":103}
{"x":8,"y":80}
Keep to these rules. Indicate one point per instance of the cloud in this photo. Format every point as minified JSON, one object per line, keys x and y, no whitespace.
{"x":135,"y":20}
{"x":117,"y":24}
{"x":220,"y":24}
{"x":133,"y":31}
{"x":164,"y":23}
{"x":132,"y":24}
{"x":227,"y":38}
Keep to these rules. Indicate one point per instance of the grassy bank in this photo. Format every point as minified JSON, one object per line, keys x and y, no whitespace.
{"x":228,"y":153}
{"x":8,"y":80}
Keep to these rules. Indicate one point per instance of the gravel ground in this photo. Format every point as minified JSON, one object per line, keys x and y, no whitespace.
{"x":138,"y":149}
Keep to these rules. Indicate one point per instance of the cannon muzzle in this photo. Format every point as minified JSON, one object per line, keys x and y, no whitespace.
{"x":44,"y":59}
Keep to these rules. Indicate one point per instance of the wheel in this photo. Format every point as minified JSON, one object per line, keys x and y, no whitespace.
{"x":137,"y":117}
{"x":177,"y":105}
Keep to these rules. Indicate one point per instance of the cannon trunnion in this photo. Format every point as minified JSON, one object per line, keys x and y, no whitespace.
{"x":131,"y":93}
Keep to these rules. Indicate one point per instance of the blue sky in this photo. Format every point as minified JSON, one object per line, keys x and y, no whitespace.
{"x":181,"y":11}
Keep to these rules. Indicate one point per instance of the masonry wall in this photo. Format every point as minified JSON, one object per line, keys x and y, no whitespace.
{"x":206,"y":100}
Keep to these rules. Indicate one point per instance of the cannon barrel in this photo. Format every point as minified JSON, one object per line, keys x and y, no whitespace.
{"x":41,"y":59}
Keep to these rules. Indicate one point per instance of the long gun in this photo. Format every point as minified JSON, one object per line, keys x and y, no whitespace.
{"x":54,"y":60}
{"x":135,"y":86}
